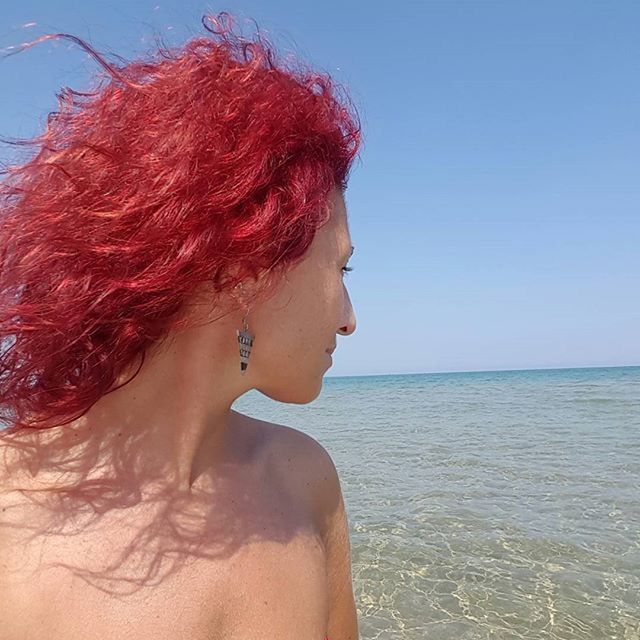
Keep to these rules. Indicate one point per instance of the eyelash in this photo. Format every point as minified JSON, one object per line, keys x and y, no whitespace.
{"x":346,"y":270}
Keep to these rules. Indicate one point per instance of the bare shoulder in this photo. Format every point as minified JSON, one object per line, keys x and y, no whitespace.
{"x":309,"y":469}
{"x":304,"y":467}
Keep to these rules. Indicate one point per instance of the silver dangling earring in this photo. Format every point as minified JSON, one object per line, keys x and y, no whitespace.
{"x":245,"y":340}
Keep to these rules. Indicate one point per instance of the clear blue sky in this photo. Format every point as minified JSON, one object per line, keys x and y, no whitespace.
{"x":494,"y":208}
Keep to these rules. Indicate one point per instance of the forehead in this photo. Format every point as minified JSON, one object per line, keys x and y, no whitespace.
{"x":338,"y":225}
{"x":332,"y":240}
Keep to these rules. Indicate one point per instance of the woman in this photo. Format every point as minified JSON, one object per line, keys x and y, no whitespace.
{"x":179,"y":239}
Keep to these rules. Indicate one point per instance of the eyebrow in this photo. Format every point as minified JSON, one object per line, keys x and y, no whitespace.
{"x":352,"y":250}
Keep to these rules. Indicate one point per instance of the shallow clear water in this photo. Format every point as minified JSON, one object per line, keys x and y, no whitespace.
{"x":486,"y":504}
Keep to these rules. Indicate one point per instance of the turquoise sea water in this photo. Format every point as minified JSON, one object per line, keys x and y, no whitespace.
{"x":499,"y":505}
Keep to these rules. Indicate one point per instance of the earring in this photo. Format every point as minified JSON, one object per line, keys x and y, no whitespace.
{"x":245,"y":343}
{"x":245,"y":339}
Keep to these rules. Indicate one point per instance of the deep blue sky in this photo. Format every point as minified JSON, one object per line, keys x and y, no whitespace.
{"x":494,"y":207}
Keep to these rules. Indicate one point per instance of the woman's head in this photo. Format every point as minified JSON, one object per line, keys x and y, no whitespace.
{"x":198,"y":169}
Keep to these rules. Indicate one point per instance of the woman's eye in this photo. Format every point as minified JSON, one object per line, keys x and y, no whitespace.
{"x":346,"y":270}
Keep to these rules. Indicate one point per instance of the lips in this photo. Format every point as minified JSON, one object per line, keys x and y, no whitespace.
{"x":330,"y":351}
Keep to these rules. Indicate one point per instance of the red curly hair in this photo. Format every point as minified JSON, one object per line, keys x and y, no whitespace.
{"x":209,"y":162}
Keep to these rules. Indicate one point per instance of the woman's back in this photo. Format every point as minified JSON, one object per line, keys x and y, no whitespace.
{"x":242,"y":557}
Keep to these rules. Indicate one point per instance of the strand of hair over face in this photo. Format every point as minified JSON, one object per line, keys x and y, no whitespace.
{"x":209,"y":162}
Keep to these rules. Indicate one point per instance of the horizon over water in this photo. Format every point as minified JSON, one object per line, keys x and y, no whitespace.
{"x":486,"y":504}
{"x":435,"y":373}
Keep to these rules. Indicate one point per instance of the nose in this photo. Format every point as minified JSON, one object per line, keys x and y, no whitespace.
{"x":350,"y":326}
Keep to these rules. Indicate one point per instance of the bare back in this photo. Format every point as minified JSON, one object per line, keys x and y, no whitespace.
{"x":241,"y":558}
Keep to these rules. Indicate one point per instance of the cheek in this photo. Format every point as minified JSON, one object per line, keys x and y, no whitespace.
{"x":301,"y":315}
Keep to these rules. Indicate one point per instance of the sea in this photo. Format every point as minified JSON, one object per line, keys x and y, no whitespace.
{"x":486,"y":505}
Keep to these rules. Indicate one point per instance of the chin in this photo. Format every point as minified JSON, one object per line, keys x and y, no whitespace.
{"x":292,"y":393}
